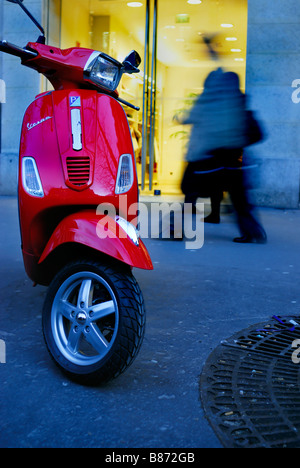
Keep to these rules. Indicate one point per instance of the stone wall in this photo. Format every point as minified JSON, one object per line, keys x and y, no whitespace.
{"x":273,"y":63}
{"x":22,"y":84}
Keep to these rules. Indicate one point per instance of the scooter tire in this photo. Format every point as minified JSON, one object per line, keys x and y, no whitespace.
{"x":93,"y":321}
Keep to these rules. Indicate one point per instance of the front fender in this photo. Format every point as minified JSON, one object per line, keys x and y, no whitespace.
{"x":100,"y":233}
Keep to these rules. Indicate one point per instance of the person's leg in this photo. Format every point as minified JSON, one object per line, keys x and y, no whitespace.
{"x":191,"y":198}
{"x":215,"y":200}
{"x":250,"y":228}
{"x":188,"y":185}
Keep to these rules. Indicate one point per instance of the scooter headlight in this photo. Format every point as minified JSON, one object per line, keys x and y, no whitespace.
{"x":30,"y":178}
{"x":102,"y":70}
{"x":125,"y":174}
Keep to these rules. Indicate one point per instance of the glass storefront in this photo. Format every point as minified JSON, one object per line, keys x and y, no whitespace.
{"x":168,"y":35}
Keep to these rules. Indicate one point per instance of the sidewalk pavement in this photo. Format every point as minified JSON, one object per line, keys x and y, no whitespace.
{"x":194,"y":300}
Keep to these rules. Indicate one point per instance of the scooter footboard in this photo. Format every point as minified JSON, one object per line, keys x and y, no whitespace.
{"x":114,"y":237}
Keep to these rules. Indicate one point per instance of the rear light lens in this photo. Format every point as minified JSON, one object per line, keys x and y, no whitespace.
{"x":30,"y":178}
{"x":125,"y":174}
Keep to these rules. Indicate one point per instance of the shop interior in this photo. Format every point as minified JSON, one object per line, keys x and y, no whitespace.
{"x":172,"y":32}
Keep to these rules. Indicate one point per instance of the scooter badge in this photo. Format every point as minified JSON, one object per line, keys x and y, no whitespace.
{"x":75,"y":101}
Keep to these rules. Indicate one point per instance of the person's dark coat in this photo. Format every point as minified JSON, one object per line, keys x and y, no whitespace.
{"x":218,"y":117}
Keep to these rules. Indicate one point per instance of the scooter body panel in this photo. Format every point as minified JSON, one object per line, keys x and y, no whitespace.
{"x":76,"y":138}
{"x":110,"y":239}
{"x":62,"y":67}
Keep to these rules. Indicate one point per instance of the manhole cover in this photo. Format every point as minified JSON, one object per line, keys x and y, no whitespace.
{"x":250,"y":387}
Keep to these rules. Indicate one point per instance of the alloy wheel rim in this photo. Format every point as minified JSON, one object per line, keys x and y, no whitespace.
{"x":84,"y":318}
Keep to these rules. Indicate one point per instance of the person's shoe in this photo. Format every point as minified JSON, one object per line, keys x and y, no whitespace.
{"x":250,"y":240}
{"x":213,"y":219}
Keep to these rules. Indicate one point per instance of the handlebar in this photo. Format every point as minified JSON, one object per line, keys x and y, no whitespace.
{"x":25,"y":54}
{"x":12,"y":49}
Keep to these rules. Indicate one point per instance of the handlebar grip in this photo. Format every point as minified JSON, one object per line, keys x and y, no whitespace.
{"x":12,"y":49}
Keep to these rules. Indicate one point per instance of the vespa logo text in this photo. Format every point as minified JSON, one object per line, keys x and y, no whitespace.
{"x":2,"y":352}
{"x":31,"y":126}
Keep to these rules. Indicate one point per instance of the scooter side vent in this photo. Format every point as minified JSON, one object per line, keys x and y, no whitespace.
{"x":78,"y":170}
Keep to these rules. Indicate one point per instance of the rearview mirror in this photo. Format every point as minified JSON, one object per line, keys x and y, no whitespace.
{"x":41,"y":39}
{"x":131,"y":62}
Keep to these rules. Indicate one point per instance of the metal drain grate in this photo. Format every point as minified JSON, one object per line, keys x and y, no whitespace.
{"x":250,"y":387}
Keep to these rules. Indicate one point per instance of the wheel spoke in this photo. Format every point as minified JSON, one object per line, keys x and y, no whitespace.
{"x":73,"y":340}
{"x":84,"y":293}
{"x":102,"y":310}
{"x":66,"y":309}
{"x":96,"y":339}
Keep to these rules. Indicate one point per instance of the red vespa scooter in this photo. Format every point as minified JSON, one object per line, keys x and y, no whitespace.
{"x":76,"y":177}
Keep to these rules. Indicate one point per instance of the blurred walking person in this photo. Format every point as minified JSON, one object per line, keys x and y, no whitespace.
{"x":221,"y":128}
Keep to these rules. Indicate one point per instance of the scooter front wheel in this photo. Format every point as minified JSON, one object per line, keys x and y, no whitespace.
{"x":93,"y":321}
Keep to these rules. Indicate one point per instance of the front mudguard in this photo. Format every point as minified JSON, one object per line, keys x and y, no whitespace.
{"x":102,"y":234}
